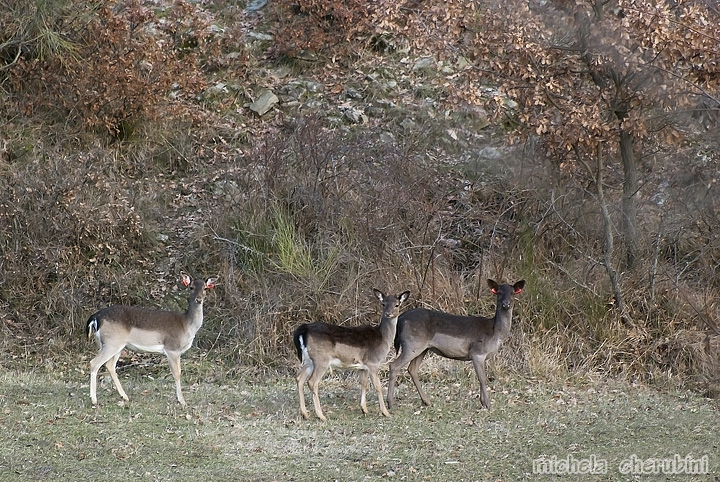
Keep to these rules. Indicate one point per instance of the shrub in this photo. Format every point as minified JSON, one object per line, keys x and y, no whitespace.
{"x":115,"y":64}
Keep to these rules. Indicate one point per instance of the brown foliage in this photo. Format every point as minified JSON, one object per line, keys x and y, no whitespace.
{"x":126,"y":65}
{"x":334,"y":26}
{"x":583,"y":71}
{"x":580,"y":70}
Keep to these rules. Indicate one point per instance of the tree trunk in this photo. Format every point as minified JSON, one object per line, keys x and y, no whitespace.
{"x":608,"y":249}
{"x":630,"y":186}
{"x":608,"y":233}
{"x":629,"y":204}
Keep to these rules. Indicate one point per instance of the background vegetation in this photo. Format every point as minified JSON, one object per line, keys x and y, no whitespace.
{"x":412,"y":146}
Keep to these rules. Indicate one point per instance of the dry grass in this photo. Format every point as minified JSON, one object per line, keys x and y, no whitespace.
{"x":247,"y":427}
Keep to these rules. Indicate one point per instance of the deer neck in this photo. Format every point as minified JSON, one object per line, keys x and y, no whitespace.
{"x":387,"y":328}
{"x":194,"y":314}
{"x":503,"y":321}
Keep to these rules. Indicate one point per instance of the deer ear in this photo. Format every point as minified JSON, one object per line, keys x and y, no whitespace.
{"x":210,"y":283}
{"x":518,"y":287}
{"x":186,"y":280}
{"x":493,"y":285}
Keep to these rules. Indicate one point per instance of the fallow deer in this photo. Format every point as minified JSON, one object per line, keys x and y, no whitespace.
{"x":146,"y":330}
{"x":463,"y":338}
{"x":320,"y":346}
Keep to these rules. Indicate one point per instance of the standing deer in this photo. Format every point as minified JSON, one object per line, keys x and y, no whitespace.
{"x":145,"y":330}
{"x":457,"y":337}
{"x":320,"y":346}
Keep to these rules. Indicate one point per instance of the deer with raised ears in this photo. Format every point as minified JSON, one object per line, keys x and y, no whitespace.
{"x":146,"y":330}
{"x":465,"y":338}
{"x":320,"y":346}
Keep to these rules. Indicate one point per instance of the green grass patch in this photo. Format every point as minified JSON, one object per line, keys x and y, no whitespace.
{"x":249,"y":428}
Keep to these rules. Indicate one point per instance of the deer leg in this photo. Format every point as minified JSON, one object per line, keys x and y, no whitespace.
{"x":378,"y":387}
{"x":174,"y":360}
{"x":313,"y":382}
{"x":303,"y":374}
{"x":392,"y":379}
{"x":395,"y":366}
{"x":479,"y":364}
{"x":110,"y":365}
{"x":413,"y":368}
{"x":108,"y":356}
{"x":363,"y":390}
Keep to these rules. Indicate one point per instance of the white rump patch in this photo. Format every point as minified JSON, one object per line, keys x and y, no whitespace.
{"x":92,"y":329}
{"x":306,"y":360}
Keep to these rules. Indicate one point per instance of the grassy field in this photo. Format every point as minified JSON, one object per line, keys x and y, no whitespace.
{"x":242,"y":427}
